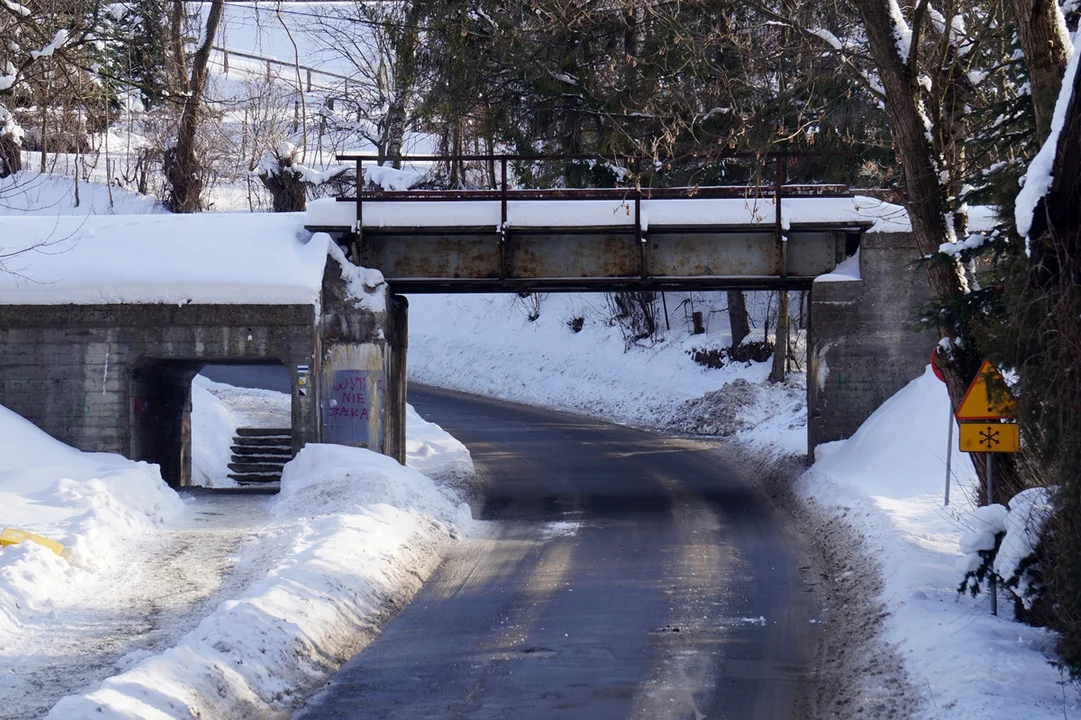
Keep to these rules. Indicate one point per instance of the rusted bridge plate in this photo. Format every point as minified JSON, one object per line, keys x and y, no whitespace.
{"x":483,"y":259}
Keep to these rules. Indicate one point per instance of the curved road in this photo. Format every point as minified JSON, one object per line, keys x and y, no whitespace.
{"x":628,"y":575}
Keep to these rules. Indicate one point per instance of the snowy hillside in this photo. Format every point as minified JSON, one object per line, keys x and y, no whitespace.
{"x":486,"y":345}
{"x":33,"y":193}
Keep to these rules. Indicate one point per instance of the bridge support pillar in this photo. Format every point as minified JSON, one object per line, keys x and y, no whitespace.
{"x":863,"y":343}
{"x":361,"y":380}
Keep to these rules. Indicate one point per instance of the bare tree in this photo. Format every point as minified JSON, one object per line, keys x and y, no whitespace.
{"x":381,"y":42}
{"x":184,"y":171}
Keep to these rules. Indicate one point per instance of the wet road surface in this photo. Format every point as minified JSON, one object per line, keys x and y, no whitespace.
{"x":625,"y":575}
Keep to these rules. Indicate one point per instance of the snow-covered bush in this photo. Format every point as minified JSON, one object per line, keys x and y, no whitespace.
{"x":745,"y":353}
{"x":980,"y":546}
{"x":283,"y":173}
{"x":1005,"y":543}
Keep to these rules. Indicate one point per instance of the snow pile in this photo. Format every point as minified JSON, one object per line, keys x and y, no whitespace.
{"x":887,"y":483}
{"x":92,"y":503}
{"x":328,"y":479}
{"x":740,"y":406}
{"x":201,"y":258}
{"x":357,"y":535}
{"x":987,"y":522}
{"x":32,"y":193}
{"x":846,"y":270}
{"x":390,"y":178}
{"x":213,"y":427}
{"x":1029,"y":512}
{"x":434,"y":452}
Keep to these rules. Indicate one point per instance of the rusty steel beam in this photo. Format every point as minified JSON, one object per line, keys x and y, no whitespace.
{"x":440,"y":286}
{"x":599,"y":255}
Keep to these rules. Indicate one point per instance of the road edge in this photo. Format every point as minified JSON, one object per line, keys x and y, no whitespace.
{"x":857,"y":674}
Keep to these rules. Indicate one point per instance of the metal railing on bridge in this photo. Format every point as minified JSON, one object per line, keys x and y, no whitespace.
{"x":426,"y":256}
{"x":632,"y":164}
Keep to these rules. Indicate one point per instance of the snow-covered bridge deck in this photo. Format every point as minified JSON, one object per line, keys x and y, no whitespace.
{"x":457,"y":244}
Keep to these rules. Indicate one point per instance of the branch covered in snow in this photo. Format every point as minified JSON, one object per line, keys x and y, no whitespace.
{"x":1039,"y":176}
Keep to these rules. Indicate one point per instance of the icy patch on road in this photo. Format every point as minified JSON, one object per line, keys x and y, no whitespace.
{"x":553,"y":530}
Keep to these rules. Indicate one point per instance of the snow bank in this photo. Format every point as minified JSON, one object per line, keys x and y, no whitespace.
{"x":887,"y":483}
{"x":203,"y":258}
{"x":92,"y":503}
{"x":358,"y":534}
{"x":213,"y":427}
{"x":33,"y":193}
{"x":435,"y":452}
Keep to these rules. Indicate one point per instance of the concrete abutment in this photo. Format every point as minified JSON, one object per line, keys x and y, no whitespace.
{"x":864,"y":342}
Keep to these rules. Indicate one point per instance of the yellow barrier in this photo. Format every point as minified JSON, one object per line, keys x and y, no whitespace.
{"x":13,"y":536}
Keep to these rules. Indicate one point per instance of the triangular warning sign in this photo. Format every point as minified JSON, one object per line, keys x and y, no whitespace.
{"x":988,"y":397}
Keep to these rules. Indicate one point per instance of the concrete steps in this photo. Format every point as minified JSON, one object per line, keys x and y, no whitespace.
{"x":259,"y":454}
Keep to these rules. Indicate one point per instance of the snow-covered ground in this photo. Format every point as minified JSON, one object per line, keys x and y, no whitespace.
{"x":209,"y":606}
{"x":887,"y":482}
{"x":33,"y":193}
{"x":486,"y":345}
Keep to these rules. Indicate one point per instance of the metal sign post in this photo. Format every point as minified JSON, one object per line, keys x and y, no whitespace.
{"x":992,"y":584}
{"x":949,"y":455}
{"x":949,"y":432}
{"x":987,"y":417}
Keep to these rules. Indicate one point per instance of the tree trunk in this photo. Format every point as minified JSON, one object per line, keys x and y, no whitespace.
{"x":183,"y":171}
{"x":288,"y":192}
{"x":738,"y":323}
{"x":11,"y":159}
{"x":402,"y":84}
{"x":177,"y":73}
{"x":780,"y":340}
{"x":925,"y":201}
{"x":1044,"y":42}
{"x":1056,"y":220}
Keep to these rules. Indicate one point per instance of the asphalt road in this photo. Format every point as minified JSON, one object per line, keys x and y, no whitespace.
{"x":626,"y":575}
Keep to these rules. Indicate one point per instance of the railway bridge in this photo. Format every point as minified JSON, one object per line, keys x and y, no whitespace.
{"x":108,"y":319}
